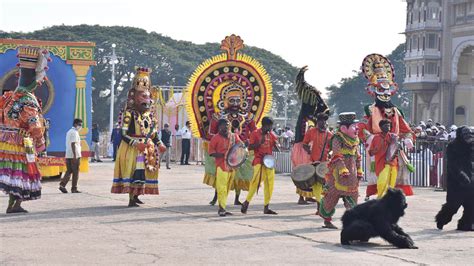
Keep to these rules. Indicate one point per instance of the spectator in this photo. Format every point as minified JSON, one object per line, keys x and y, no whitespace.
{"x":73,"y":157}
{"x":95,"y":143}
{"x":116,"y":138}
{"x":452,"y":132}
{"x":442,"y":135}
{"x":166,"y":140}
{"x":186,"y":144}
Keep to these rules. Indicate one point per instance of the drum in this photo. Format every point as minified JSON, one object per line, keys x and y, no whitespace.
{"x":269,"y":161}
{"x":392,"y":150}
{"x":236,"y":155}
{"x":321,"y":170}
{"x":304,"y":176}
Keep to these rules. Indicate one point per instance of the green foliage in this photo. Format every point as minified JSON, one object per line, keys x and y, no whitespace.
{"x":172,"y":61}
{"x":350,"y":95}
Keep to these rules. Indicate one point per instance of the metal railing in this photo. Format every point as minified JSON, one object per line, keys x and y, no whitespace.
{"x":427,"y":157}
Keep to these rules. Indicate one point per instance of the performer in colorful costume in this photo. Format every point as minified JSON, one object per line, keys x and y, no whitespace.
{"x":218,"y":148}
{"x":344,"y":169}
{"x":22,"y":131}
{"x":237,"y":88}
{"x":262,"y":141}
{"x":312,"y":105}
{"x":319,"y":138}
{"x":386,"y":168}
{"x":137,"y":162}
{"x":378,"y":70}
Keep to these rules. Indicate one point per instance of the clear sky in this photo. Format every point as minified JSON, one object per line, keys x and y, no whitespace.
{"x":331,"y":36}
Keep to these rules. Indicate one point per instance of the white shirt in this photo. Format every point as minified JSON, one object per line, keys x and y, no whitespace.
{"x":185,"y":133}
{"x":72,"y":136}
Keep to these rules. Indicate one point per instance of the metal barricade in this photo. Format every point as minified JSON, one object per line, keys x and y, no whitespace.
{"x":427,"y":157}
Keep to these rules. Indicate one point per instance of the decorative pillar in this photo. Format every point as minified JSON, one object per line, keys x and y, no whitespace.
{"x":80,"y":110}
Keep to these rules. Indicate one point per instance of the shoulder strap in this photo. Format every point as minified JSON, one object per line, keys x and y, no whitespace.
{"x":324,"y":146}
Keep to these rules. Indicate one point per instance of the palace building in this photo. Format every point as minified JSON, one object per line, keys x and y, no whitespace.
{"x":439,"y":60}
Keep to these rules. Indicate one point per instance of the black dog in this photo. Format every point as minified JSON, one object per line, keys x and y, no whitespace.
{"x":377,"y":218}
{"x":460,"y":181}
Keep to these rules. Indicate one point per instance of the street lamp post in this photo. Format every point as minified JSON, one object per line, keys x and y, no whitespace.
{"x":286,"y":86}
{"x":113,"y":61}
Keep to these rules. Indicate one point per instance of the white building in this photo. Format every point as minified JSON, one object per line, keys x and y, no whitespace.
{"x":439,"y":60}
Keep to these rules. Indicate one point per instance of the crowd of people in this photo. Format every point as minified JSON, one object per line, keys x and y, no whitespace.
{"x":239,"y":145}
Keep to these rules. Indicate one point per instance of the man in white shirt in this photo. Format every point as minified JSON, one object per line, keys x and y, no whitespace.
{"x":73,"y":157}
{"x":186,"y":144}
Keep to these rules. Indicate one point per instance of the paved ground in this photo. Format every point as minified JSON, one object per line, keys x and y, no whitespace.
{"x":178,"y":227}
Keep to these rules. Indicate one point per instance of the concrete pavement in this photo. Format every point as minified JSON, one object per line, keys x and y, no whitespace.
{"x":178,"y":227}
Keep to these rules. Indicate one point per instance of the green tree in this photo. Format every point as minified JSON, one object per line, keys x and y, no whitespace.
{"x":172,"y":61}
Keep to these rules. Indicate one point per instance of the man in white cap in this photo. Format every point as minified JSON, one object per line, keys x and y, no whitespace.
{"x":452,"y":132}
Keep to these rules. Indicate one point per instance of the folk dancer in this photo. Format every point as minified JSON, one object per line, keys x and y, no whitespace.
{"x":344,"y":169}
{"x":234,"y":87}
{"x":136,"y":165}
{"x":379,"y":72}
{"x":386,"y":168}
{"x":22,"y":131}
{"x":218,"y":148}
{"x":312,"y":105}
{"x":262,"y":142}
{"x":319,"y":138}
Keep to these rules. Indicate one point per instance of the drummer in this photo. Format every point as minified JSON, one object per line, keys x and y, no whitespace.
{"x":319,"y":139}
{"x":386,"y":170}
{"x":218,"y":148}
{"x":262,"y":141}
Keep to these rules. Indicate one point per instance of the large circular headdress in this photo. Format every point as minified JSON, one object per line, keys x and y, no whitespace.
{"x":230,"y":73}
{"x":379,"y":72}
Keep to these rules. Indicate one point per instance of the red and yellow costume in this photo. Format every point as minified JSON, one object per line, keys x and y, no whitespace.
{"x":378,"y":70}
{"x":232,"y":86}
{"x":260,"y":172}
{"x":319,"y":141}
{"x":224,"y":174}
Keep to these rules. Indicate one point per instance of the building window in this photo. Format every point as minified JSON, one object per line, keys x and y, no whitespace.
{"x":439,"y":16}
{"x":433,"y":13}
{"x":431,"y":68}
{"x":432,"y":40}
{"x":409,"y":71}
{"x":424,"y":15}
{"x":419,"y":16}
{"x":423,"y":70}
{"x":460,"y":110}
{"x":418,"y":43}
{"x":423,"y":43}
{"x":417,"y":71}
{"x":439,"y":43}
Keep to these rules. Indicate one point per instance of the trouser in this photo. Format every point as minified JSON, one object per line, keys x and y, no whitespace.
{"x":185,"y":150}
{"x":72,"y":166}
{"x":327,"y":208}
{"x":116,"y":146}
{"x":223,"y":182}
{"x":317,"y":191}
{"x":166,"y":156}
{"x":95,"y":148}
{"x":386,"y":179}
{"x":261,"y":173}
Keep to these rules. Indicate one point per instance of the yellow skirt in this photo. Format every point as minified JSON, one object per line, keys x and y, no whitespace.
{"x":125,"y":166}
